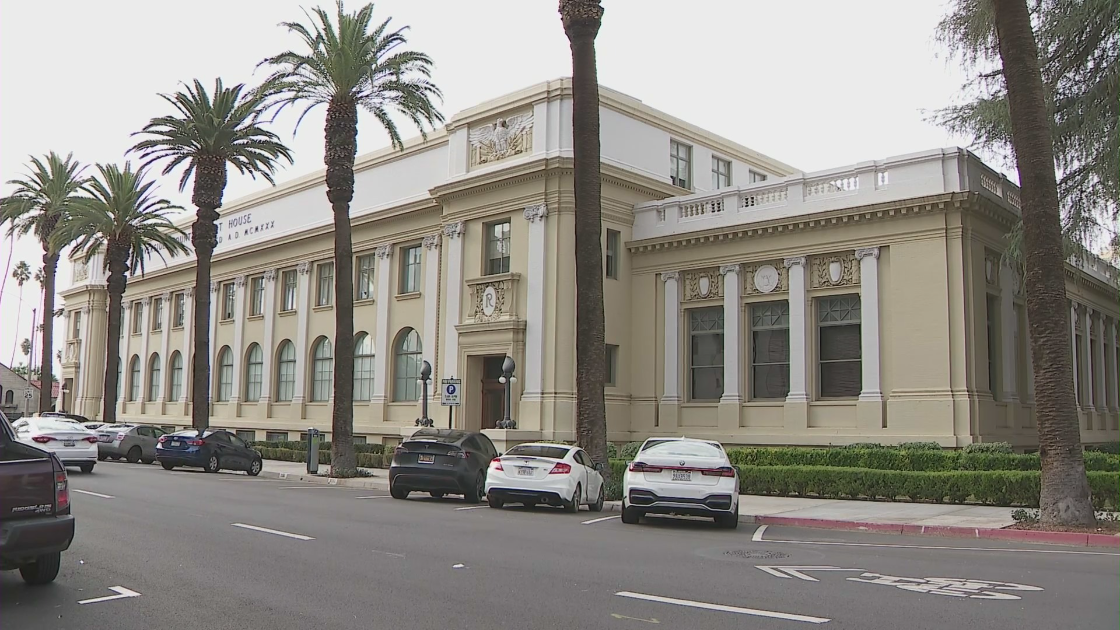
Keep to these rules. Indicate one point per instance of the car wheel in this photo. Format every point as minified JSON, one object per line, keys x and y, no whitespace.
{"x":86,"y":468}
{"x":398,"y":492}
{"x":728,"y":521}
{"x":147,"y":462}
{"x":597,"y":506}
{"x":43,"y":571}
{"x":255,"y":467}
{"x":436,"y":495}
{"x":133,"y":455}
{"x":631,"y":515}
{"x":573,"y":505}
{"x":115,"y":458}
{"x":167,"y":466}
{"x":213,"y":465}
{"x":475,"y":494}
{"x":102,"y":458}
{"x":494,"y":502}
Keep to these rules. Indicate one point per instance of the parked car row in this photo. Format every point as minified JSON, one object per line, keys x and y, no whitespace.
{"x":672,"y":476}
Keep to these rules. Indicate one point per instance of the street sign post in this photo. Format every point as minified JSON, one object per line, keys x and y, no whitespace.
{"x":451,"y":389}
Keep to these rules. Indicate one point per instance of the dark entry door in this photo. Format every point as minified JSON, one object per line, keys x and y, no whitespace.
{"x":493,"y":392}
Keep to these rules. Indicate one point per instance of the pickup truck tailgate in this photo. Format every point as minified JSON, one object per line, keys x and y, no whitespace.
{"x":27,"y":482}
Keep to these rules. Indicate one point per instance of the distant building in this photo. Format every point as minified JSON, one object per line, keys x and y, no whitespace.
{"x":13,"y":394}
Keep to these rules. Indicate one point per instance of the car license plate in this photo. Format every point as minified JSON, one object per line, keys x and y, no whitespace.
{"x":426,"y":459}
{"x":524,"y":471}
{"x":682,"y":475}
{"x":175,"y":444}
{"x":68,"y":442}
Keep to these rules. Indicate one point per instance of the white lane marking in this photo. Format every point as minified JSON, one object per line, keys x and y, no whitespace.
{"x":95,"y":494}
{"x":759,"y":532}
{"x":848,"y":544}
{"x":306,"y":488}
{"x":721,"y":608}
{"x":650,"y":620}
{"x":388,"y":553}
{"x":796,"y":572}
{"x":148,"y":467}
{"x":121,"y":593}
{"x":272,"y":531}
{"x":600,"y":520}
{"x":473,"y":507}
{"x":376,"y":496}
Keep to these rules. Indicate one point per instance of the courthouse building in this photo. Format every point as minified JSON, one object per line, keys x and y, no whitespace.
{"x":746,"y":301}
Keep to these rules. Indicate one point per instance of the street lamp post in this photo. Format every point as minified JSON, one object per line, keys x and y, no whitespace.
{"x":425,"y":378}
{"x":508,"y":379}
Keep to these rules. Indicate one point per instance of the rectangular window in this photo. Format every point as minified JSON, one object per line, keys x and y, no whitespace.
{"x":612,"y":366}
{"x":769,"y":350}
{"x":364,"y":289}
{"x":256,"y":295}
{"x":841,"y":371}
{"x":288,"y":290}
{"x":157,"y":314}
{"x":359,"y":439}
{"x":276,"y":436}
{"x":247,"y":435}
{"x":721,"y":173}
{"x":614,"y":250}
{"x":680,"y":164}
{"x":180,"y":312}
{"x":410,"y":269}
{"x":137,"y":318}
{"x":756,"y":177}
{"x":323,"y":437}
{"x":705,"y":326}
{"x":1079,"y":369}
{"x":324,"y":295}
{"x":228,"y":299}
{"x":77,"y":325}
{"x":991,"y":313}
{"x":497,"y":247}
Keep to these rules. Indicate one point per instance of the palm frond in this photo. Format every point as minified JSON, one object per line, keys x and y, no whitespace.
{"x":43,"y":198}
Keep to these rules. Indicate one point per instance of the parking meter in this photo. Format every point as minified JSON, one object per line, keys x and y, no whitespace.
{"x":312,"y":451}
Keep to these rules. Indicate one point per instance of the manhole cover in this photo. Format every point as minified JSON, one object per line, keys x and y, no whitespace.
{"x":755,"y":554}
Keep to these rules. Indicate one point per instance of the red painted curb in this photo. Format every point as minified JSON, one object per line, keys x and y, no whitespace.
{"x":949,"y":531}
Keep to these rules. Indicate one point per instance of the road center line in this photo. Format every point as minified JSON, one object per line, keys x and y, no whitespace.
{"x":721,"y":608}
{"x":94,"y":494}
{"x":885,"y":546}
{"x":472,"y":507}
{"x":600,"y":520}
{"x":388,"y":553}
{"x":758,"y":533}
{"x":272,"y":531}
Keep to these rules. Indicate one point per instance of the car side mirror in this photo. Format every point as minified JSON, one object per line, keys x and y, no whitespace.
{"x":599,"y":466}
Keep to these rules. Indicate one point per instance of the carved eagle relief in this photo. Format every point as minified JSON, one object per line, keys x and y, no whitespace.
{"x":505,"y":137}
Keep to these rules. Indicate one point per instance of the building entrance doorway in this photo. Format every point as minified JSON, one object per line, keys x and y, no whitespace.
{"x":493,"y":392}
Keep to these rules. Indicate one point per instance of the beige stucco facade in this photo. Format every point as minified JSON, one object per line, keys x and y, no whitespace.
{"x":871,"y":288}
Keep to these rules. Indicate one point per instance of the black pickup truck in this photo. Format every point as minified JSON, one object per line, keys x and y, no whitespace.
{"x":35,"y":521}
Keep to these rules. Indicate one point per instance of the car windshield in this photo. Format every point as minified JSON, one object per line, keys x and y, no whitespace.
{"x":539,"y":450}
{"x":687,"y":448}
{"x":191,"y":433}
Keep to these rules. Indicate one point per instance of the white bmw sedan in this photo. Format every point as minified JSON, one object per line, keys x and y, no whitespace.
{"x":553,"y":474}
{"x":74,"y":444}
{"x":681,"y":476}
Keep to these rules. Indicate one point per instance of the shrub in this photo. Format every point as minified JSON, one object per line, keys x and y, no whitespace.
{"x":863,"y":445}
{"x":629,"y":450}
{"x":989,"y":447}
{"x":920,"y":446}
{"x":612,"y":451}
{"x":1112,"y":448}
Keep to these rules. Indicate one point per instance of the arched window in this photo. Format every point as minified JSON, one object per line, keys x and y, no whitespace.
{"x":153,"y":377}
{"x":406,"y":369}
{"x":225,"y":374}
{"x":363,"y":367}
{"x":175,"y":391}
{"x":9,"y":397}
{"x":286,"y":372}
{"x":322,"y":378}
{"x":134,"y":379}
{"x":254,"y":373}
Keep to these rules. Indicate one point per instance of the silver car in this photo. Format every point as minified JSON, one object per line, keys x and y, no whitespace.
{"x":134,"y":442}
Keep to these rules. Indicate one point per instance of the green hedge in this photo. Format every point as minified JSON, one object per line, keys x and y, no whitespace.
{"x":991,"y":487}
{"x":323,"y":446}
{"x":365,"y":460}
{"x":919,"y":460}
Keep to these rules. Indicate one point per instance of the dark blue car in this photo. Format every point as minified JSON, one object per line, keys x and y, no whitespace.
{"x":211,"y":450}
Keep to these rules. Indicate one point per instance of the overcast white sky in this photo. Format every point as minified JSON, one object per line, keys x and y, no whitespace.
{"x":814,"y":83}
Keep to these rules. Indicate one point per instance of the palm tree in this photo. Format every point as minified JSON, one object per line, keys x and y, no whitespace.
{"x":21,"y":274}
{"x":1065,"y":498}
{"x":581,"y":19}
{"x":345,"y":64}
{"x":208,"y":135}
{"x":38,"y":204}
{"x":122,"y":218}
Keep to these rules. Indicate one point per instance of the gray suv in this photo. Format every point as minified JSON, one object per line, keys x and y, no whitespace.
{"x":134,"y":442}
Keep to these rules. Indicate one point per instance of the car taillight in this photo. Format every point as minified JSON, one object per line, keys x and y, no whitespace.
{"x":162,"y":439}
{"x":560,"y":469}
{"x":92,"y":439}
{"x":643,"y":467}
{"x":195,"y":442}
{"x":725,"y":471}
{"x":42,"y":439}
{"x":120,"y":436}
{"x":399,"y":450}
{"x":497,"y":463}
{"x":61,"y":491}
{"x":459,"y":454}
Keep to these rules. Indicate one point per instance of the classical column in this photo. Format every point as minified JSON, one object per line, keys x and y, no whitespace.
{"x":731,"y":400}
{"x":533,"y":373}
{"x":1101,"y":385}
{"x":81,"y":383}
{"x":188,"y":344}
{"x":123,"y":356}
{"x":303,"y":304}
{"x":671,"y":393}
{"x":1114,"y":378}
{"x":381,"y":349}
{"x":869,"y":322}
{"x":145,"y":328}
{"x":1073,"y":350}
{"x":269,"y":350}
{"x":431,"y":311}
{"x":1087,"y":354}
{"x":453,"y":251}
{"x":238,"y":331}
{"x":797,"y":345}
{"x":1007,"y":282}
{"x":164,"y":358}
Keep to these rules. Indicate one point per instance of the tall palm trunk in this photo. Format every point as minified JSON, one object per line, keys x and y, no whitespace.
{"x":209,"y":184}
{"x":115,"y":286}
{"x":46,"y":366}
{"x":341,"y":150}
{"x":581,"y":19}
{"x":1065,"y":496}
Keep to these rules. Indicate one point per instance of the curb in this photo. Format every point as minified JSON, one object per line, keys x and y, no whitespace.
{"x":367,"y":483}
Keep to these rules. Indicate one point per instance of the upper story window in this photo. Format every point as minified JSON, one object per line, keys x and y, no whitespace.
{"x":755,"y":176}
{"x":769,"y":362}
{"x":256,"y":295}
{"x":228,"y":300}
{"x":137,"y":318}
{"x":614,"y":251}
{"x":841,"y":371}
{"x":680,"y":164}
{"x":497,"y":247}
{"x":77,"y":319}
{"x":410,"y":269}
{"x":179,"y":312}
{"x":288,"y":290}
{"x":157,"y":314}
{"x":721,"y":173}
{"x":364,"y":287}
{"x":324,"y":294}
{"x":612,"y":366}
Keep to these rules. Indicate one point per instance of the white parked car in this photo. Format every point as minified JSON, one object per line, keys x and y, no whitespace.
{"x":71,"y":442}
{"x":681,"y":476}
{"x":553,"y":474}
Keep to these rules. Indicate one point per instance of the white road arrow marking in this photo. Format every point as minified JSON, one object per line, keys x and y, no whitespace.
{"x":121,"y":593}
{"x":796,"y":572}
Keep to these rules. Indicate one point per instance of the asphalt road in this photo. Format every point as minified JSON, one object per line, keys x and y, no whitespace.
{"x":179,"y":541}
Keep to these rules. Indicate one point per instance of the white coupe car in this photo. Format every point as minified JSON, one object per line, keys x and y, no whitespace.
{"x":681,"y":476}
{"x":553,"y":474}
{"x":71,"y":442}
